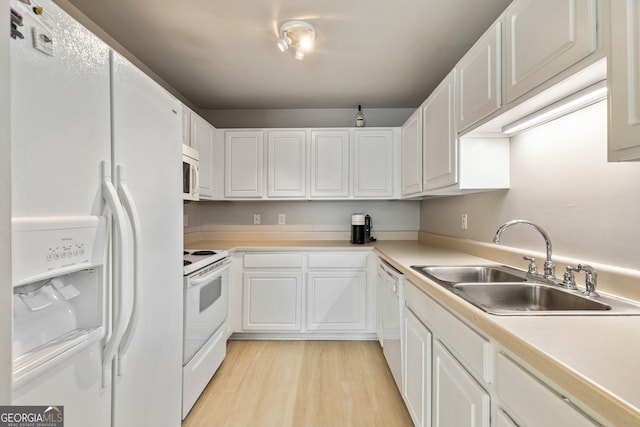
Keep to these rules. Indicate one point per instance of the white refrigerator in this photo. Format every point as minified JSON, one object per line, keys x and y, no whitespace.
{"x":96,"y":169}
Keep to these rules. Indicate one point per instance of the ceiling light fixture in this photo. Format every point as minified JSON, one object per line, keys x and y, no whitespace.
{"x":583,"y":98}
{"x":297,"y":34}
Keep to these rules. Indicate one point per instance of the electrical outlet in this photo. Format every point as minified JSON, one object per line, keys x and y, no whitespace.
{"x":282,"y":219}
{"x":256,"y":219}
{"x":185,"y":221}
{"x":464,"y":221}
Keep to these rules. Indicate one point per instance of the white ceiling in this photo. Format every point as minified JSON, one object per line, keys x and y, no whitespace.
{"x":222,"y":54}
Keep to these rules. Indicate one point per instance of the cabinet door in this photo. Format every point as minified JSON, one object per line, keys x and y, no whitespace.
{"x":286,"y":163}
{"x":624,"y":82}
{"x":373,"y":163}
{"x":479,"y":77}
{"x":439,"y":137}
{"x":203,"y":139}
{"x":329,"y":163}
{"x":530,"y":402}
{"x":457,"y":399}
{"x":544,"y":38}
{"x":504,"y":420}
{"x":186,"y":126}
{"x":243,"y":152}
{"x":272,"y":301}
{"x":337,"y":300}
{"x":417,"y":368}
{"x":411,"y":152}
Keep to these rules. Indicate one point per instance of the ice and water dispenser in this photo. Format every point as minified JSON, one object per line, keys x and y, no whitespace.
{"x":58,"y":289}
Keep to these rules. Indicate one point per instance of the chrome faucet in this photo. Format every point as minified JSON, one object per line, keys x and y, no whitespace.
{"x":549,"y":267}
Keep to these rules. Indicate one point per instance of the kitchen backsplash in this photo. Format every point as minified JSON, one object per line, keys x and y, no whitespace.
{"x":303,"y":216}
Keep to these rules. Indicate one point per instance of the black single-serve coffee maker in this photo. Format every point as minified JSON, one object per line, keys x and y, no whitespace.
{"x":361,"y":228}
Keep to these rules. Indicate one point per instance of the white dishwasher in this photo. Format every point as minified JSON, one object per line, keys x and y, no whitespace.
{"x":390,"y":303}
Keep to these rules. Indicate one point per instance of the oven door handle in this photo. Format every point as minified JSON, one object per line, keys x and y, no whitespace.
{"x":134,"y":220}
{"x":207,"y":278}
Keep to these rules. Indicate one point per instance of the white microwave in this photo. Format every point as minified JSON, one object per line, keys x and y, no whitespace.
{"x":190,"y":170}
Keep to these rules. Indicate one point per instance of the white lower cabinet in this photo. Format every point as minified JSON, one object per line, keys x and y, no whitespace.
{"x":417,"y":353}
{"x":272,"y":301}
{"x":316,"y":293}
{"x":530,"y":402}
{"x":445,"y":362}
{"x":456,"y":376}
{"x":457,"y":399}
{"x":337,"y":300}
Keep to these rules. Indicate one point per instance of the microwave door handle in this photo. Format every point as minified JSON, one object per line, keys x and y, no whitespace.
{"x":134,"y":220}
{"x":119,"y":220}
{"x":196,"y":179}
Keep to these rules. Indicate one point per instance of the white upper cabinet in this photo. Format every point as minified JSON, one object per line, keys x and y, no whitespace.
{"x":203,"y":139}
{"x":330,"y":163}
{"x":479,"y":79}
{"x":244,"y":163}
{"x":544,"y":38}
{"x":411,"y":152}
{"x":286,"y":163}
{"x":624,"y":81}
{"x":439,"y":136}
{"x":186,"y":126}
{"x":373,"y":160}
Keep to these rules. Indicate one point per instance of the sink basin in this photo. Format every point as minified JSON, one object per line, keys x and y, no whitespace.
{"x":502,"y":290}
{"x":501,"y":298}
{"x":451,"y":275}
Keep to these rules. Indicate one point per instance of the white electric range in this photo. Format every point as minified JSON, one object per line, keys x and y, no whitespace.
{"x":195,"y":259}
{"x":206,"y":308}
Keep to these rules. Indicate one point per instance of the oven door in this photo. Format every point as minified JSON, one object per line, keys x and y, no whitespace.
{"x":206,"y":305}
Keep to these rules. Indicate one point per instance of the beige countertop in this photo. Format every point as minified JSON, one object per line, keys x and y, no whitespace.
{"x":594,"y":358}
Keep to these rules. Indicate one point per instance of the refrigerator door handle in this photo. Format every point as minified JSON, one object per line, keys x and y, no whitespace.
{"x":119,"y":220}
{"x":134,"y":220}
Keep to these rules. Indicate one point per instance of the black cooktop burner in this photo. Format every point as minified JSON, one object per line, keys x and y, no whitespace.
{"x":185,"y":253}
{"x":200,"y":253}
{"x":186,"y":262}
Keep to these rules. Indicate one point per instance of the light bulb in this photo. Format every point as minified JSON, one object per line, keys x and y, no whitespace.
{"x":306,"y":42}
{"x":299,"y":54}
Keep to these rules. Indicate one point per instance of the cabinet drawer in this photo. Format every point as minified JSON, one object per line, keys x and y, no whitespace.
{"x":275,"y":260}
{"x":531,"y":402}
{"x":338,"y":260}
{"x":470,"y":348}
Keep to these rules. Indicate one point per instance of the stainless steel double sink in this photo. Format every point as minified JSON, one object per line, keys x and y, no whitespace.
{"x":502,"y":290}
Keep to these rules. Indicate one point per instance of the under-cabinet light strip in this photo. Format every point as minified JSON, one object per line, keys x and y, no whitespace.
{"x":571,"y":103}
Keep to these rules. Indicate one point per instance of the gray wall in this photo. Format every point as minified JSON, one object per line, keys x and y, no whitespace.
{"x":318,"y":117}
{"x":560,"y":179}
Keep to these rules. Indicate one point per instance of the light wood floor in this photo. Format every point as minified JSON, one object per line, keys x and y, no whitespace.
{"x":301,"y":383}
